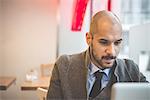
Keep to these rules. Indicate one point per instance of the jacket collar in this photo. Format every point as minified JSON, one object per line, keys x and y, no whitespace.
{"x":121,"y":71}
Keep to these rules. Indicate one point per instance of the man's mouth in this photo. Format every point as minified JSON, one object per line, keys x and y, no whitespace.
{"x":108,"y":59}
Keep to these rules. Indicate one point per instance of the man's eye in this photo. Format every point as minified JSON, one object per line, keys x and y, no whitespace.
{"x":104,"y":42}
{"x":117,"y":43}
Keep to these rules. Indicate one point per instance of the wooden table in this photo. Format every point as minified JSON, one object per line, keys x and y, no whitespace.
{"x":5,"y":82}
{"x":41,"y":82}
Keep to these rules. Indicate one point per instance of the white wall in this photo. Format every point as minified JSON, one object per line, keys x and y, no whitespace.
{"x":71,"y":42}
{"x":28,"y":41}
{"x":0,"y":43}
{"x":139,"y":40}
{"x":0,"y":37}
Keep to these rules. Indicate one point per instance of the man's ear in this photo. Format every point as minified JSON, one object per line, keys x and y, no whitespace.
{"x":88,"y":38}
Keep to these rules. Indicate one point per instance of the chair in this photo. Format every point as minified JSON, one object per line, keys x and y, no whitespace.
{"x":46,"y":69}
{"x":42,"y":93}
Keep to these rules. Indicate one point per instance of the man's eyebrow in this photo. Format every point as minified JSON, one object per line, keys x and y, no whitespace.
{"x":107,"y":40}
{"x":120,"y":40}
{"x":103,"y":40}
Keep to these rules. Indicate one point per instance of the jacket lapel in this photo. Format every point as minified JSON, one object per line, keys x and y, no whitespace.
{"x":121,"y":72}
{"x":77,"y":76}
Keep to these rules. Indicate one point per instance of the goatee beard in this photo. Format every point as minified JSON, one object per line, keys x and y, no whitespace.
{"x":96,"y":61}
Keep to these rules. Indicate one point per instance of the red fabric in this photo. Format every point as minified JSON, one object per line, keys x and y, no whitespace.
{"x":79,"y":13}
{"x":109,"y":5}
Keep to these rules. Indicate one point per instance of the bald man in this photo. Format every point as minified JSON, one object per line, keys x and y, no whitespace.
{"x":91,"y":74}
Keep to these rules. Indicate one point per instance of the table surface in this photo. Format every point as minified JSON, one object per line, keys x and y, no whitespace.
{"x":42,"y":82}
{"x":6,"y":81}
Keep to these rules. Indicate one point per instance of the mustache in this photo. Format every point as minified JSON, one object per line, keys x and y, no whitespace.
{"x":108,"y":57}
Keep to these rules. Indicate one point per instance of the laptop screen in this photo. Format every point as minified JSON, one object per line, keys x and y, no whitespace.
{"x":130,"y":91}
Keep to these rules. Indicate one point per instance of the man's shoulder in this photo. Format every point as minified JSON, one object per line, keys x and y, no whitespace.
{"x":66,"y":61}
{"x":127,"y":64}
{"x":126,"y":61}
{"x":70,"y":58}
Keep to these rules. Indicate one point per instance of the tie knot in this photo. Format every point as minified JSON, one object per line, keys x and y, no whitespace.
{"x":98,"y":74}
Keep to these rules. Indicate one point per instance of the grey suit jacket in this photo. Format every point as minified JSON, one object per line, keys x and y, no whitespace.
{"x":69,"y":76}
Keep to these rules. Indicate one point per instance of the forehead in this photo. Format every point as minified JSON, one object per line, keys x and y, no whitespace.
{"x":109,"y":32}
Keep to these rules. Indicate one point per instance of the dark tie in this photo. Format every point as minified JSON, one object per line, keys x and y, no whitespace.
{"x":97,"y":84}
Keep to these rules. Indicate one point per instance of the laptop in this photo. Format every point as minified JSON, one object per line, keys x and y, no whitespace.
{"x":130,"y":91}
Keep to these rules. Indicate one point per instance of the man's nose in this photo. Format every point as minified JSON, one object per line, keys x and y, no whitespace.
{"x":110,"y":50}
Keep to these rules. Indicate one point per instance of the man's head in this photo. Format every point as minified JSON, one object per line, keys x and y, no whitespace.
{"x":104,"y":38}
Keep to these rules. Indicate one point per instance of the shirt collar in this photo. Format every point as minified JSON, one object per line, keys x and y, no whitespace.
{"x":94,"y":68}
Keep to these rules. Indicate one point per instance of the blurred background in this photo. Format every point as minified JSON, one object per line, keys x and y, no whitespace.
{"x":34,"y":32}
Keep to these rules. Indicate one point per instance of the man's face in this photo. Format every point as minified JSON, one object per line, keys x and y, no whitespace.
{"x":106,"y":44}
